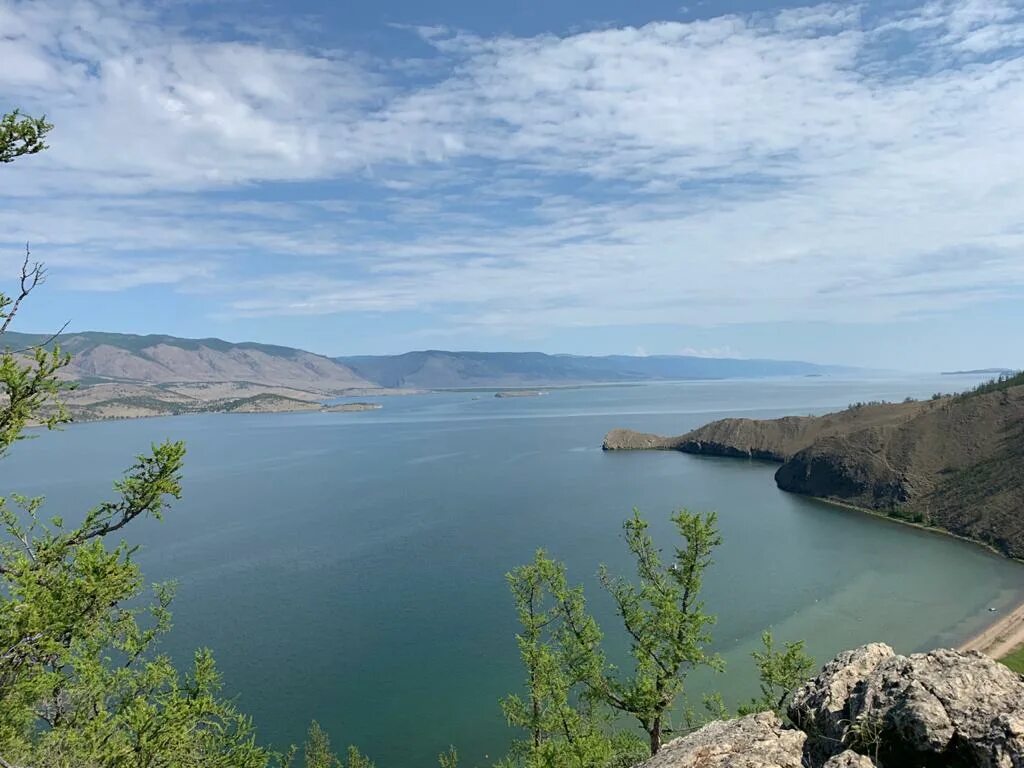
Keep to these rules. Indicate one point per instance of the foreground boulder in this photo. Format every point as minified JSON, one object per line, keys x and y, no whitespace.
{"x":942,"y":708}
{"x":755,"y":741}
{"x":872,"y":707}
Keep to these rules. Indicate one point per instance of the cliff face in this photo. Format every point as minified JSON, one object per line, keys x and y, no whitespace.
{"x":956,"y":463}
{"x":872,"y":707}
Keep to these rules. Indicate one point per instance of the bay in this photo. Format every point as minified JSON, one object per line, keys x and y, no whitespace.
{"x":349,"y":567}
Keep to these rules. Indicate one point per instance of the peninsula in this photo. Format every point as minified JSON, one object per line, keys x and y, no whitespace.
{"x":954,"y":463}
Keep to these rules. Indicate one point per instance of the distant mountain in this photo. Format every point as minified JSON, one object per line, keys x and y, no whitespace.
{"x":434,"y":369}
{"x":118,"y":357}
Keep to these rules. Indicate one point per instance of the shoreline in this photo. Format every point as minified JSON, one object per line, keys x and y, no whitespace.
{"x":999,"y":637}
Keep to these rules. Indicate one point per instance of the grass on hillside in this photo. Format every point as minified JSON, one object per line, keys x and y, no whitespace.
{"x":995,"y":385}
{"x":1015,"y":661}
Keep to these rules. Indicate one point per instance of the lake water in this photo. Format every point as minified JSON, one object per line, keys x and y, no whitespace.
{"x":350,"y":567}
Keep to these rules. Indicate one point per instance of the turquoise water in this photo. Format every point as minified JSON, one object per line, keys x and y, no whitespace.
{"x":349,"y":567}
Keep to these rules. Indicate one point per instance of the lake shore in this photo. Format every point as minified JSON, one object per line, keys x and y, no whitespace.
{"x":1000,"y":638}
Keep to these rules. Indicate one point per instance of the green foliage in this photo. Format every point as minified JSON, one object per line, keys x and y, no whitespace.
{"x":317,"y":753}
{"x":867,"y":404}
{"x":573,"y":692}
{"x":21,"y":135}
{"x":559,"y":647}
{"x":448,"y":759}
{"x":80,"y":683}
{"x":864,"y":735}
{"x":780,"y":672}
{"x":998,"y":384}
{"x":28,"y":387}
{"x":1015,"y":661}
{"x":665,"y":619}
{"x":575,"y":699}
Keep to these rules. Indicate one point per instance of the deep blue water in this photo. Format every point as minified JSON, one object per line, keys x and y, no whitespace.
{"x":350,"y":567}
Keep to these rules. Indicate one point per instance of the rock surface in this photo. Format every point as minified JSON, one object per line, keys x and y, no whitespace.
{"x":870,"y":707}
{"x":849,"y":759}
{"x":936,"y":709}
{"x":755,"y":741}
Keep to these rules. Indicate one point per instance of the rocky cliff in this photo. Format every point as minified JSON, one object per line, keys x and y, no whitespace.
{"x":873,"y":707}
{"x":955,"y":463}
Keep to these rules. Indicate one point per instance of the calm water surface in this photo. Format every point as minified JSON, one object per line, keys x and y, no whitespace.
{"x":350,"y":567}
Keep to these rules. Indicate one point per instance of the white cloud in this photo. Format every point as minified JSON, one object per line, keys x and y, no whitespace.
{"x":816,"y":164}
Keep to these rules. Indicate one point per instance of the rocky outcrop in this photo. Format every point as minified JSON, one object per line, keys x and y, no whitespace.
{"x":939,"y":708}
{"x":873,"y":707}
{"x":954,"y":463}
{"x":755,"y":741}
{"x":849,"y":759}
{"x":836,"y":469}
{"x":628,"y":440}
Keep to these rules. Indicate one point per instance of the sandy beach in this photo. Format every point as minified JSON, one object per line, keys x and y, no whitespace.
{"x":1001,"y":637}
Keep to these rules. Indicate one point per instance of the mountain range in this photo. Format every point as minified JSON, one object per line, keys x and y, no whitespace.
{"x":438,"y":369}
{"x":159,"y":360}
{"x":105,"y":357}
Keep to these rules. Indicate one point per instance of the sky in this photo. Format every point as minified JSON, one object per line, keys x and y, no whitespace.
{"x":840,"y":183}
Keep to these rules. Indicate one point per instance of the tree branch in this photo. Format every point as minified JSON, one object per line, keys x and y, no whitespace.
{"x":44,"y":344}
{"x":31,"y":277}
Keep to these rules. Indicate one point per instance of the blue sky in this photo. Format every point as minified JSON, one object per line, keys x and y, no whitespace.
{"x":830,"y":182}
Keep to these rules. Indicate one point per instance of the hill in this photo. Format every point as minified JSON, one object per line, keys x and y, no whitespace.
{"x":116,"y":357}
{"x":435,"y":369}
{"x":955,"y":462}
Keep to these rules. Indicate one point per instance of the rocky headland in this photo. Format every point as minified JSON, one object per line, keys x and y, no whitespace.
{"x":873,"y":707}
{"x":954,"y":463}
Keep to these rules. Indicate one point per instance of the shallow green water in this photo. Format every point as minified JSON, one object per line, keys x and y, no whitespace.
{"x":349,"y":567}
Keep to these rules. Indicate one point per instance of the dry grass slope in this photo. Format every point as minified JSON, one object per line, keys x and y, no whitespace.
{"x":955,"y":463}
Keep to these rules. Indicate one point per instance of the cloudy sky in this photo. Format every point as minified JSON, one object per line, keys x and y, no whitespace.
{"x":838,"y":183}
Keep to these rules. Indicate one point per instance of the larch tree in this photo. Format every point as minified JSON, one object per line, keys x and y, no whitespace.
{"x":665,"y":619}
{"x":80,"y":681}
{"x":566,"y":726}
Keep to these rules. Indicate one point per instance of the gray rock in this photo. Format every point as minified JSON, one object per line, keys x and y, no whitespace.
{"x":937,"y":708}
{"x":849,"y":759}
{"x":755,"y":741}
{"x":820,"y":706}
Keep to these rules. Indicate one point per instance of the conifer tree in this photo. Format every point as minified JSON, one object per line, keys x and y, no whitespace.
{"x":80,"y":683}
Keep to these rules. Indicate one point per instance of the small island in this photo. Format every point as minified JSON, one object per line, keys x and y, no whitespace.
{"x":520,"y":393}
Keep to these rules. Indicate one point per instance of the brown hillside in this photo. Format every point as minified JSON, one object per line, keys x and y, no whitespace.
{"x":956,"y":463}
